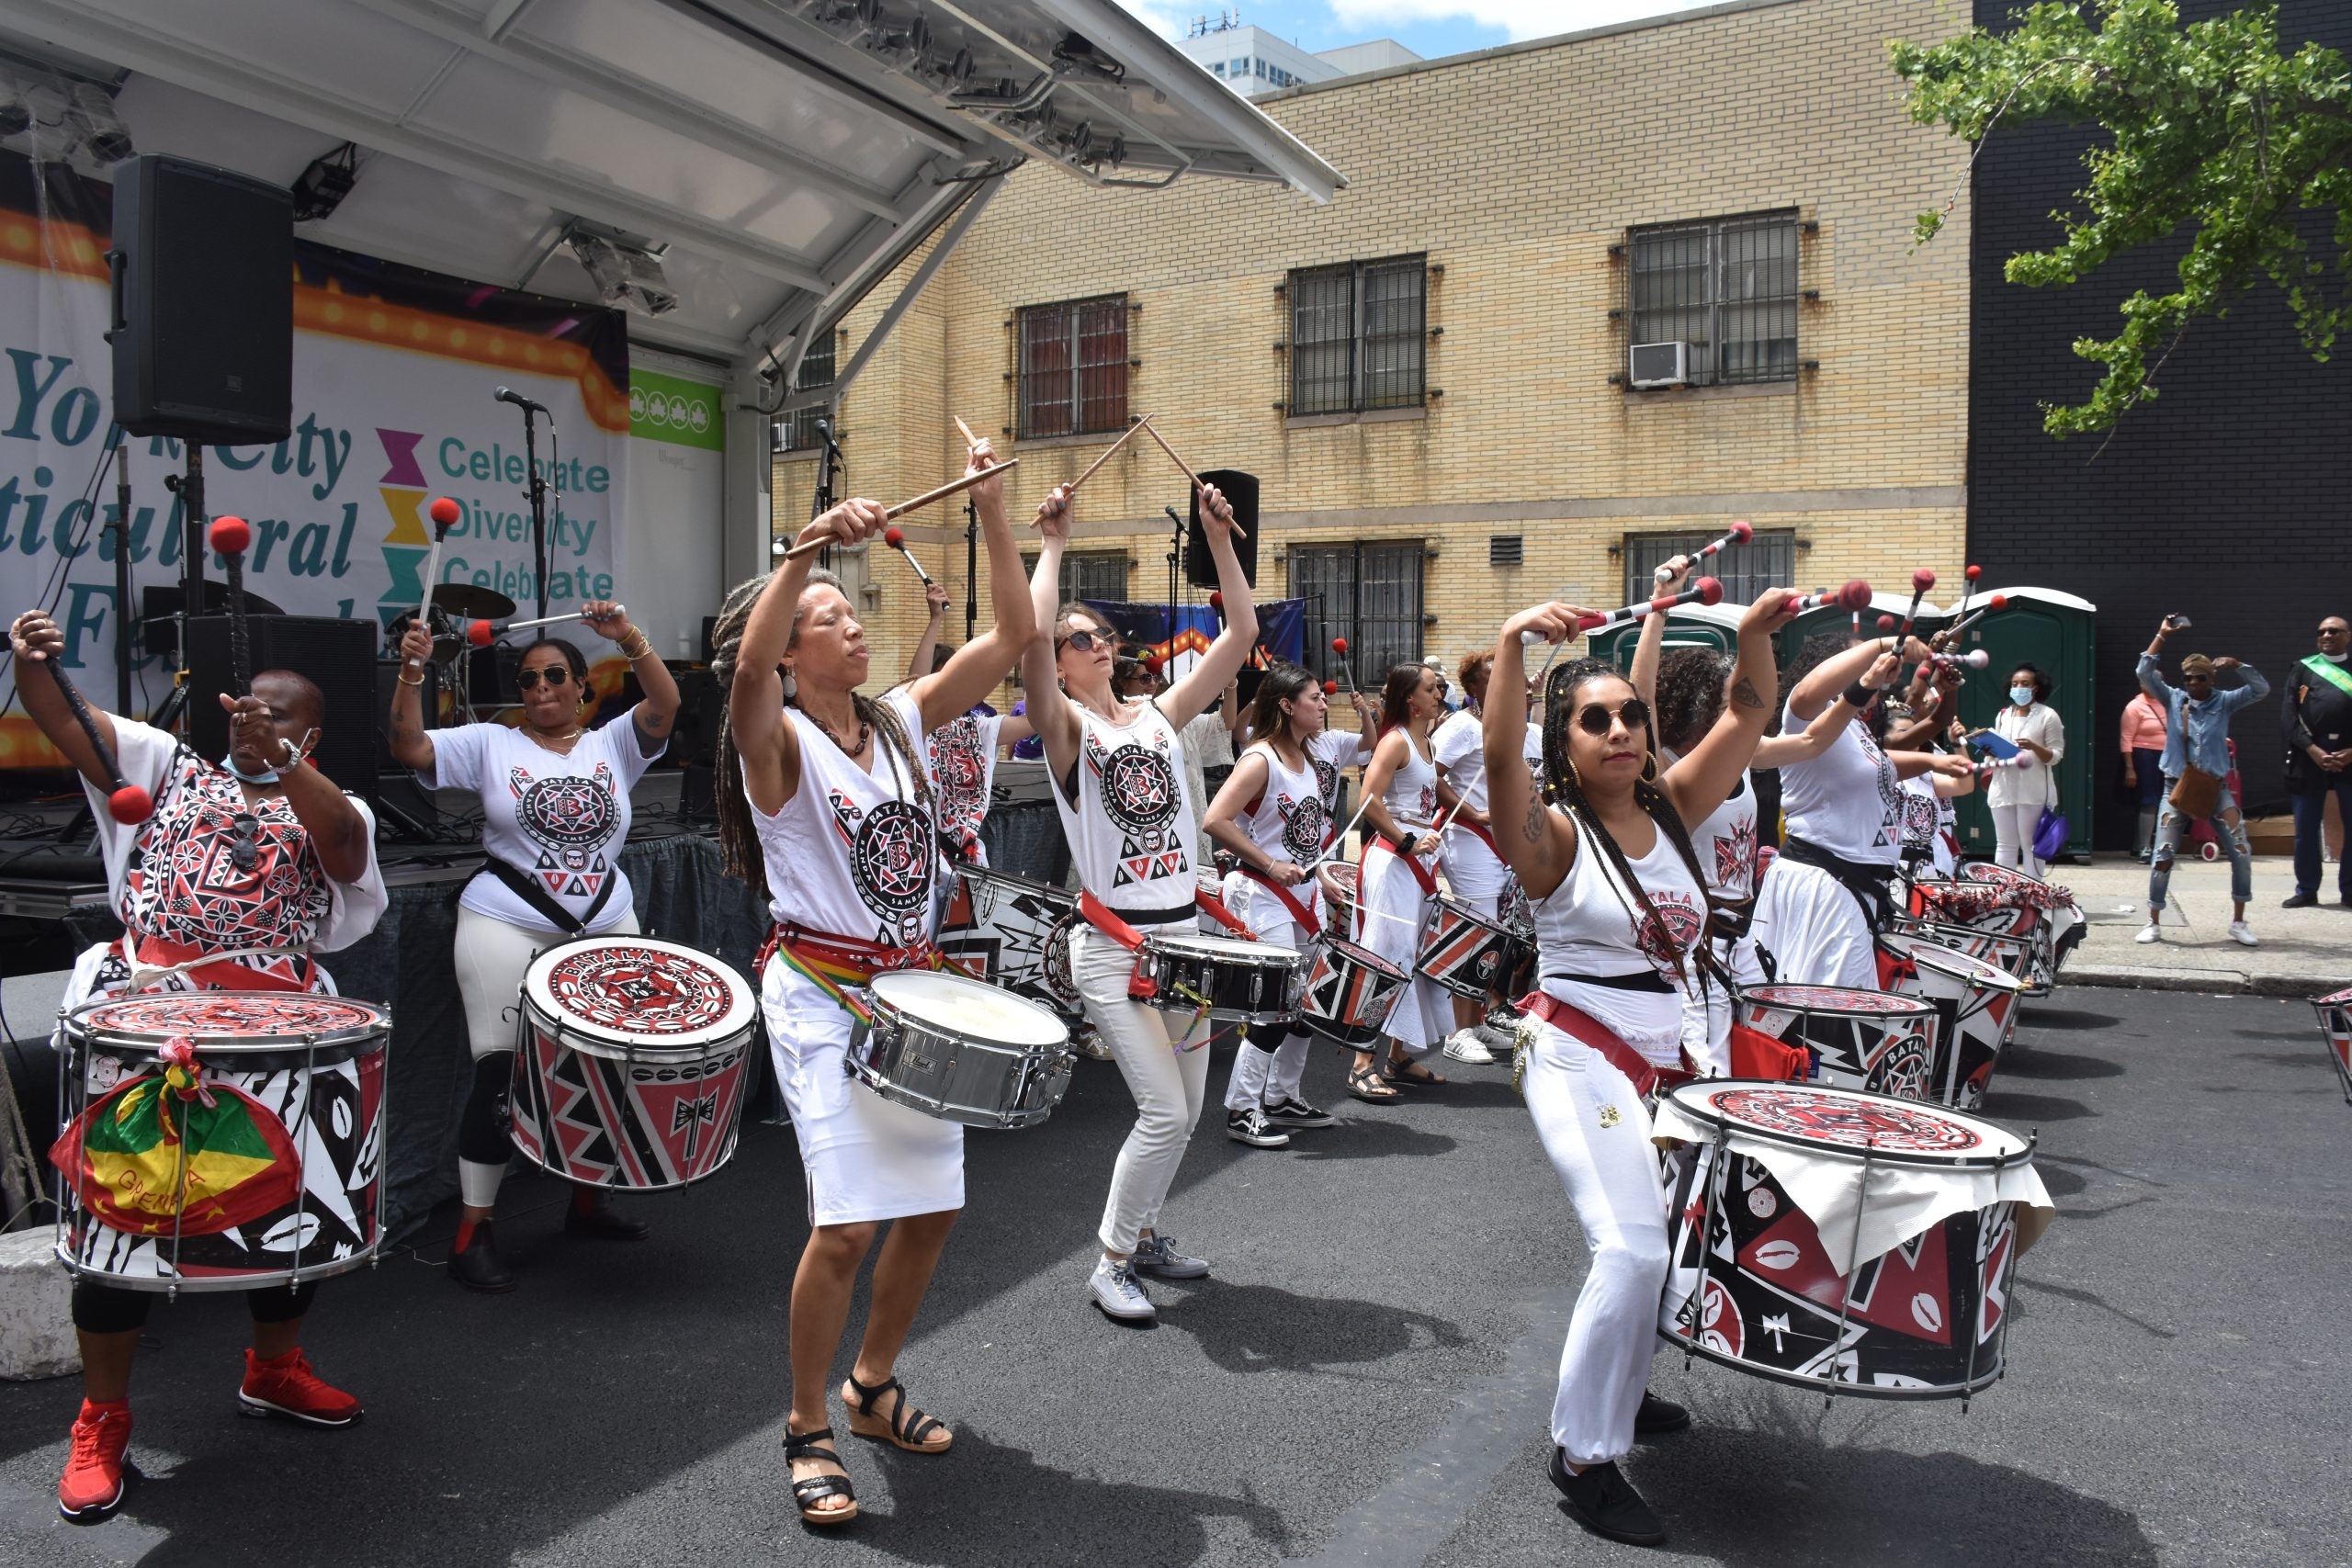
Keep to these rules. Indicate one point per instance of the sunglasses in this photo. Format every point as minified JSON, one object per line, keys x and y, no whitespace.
{"x":1593,"y":719}
{"x":2331,"y":631}
{"x":554,"y":674}
{"x":1085,"y":641}
{"x":243,"y":853}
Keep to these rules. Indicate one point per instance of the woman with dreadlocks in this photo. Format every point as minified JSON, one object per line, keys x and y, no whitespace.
{"x":1620,"y":916}
{"x":824,"y":806}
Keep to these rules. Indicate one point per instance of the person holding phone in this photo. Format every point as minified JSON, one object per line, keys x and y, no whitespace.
{"x":2196,"y":766}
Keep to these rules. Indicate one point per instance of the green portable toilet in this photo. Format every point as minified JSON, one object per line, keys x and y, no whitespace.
{"x":2050,"y":630}
{"x":1830,"y":618}
{"x":1687,"y":625}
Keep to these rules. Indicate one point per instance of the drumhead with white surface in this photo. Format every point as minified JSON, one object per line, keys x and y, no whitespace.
{"x":954,"y":1004}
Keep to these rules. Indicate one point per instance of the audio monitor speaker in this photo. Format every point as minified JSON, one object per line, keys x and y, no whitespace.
{"x":203,"y":313}
{"x":338,"y":657}
{"x":1241,"y":494}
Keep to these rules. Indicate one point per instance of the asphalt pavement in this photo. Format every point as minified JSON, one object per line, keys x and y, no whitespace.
{"x":1364,"y":1380}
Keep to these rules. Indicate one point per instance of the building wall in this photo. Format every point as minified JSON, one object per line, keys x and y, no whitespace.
{"x":2224,"y":500}
{"x":1516,"y":171}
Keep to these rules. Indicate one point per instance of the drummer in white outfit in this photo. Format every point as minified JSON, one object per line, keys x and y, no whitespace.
{"x":1396,"y":883}
{"x":825,"y":807}
{"x":1474,"y":873}
{"x":1118,"y":775}
{"x":1619,"y":909}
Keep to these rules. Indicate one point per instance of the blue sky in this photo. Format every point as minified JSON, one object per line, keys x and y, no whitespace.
{"x":1429,"y":27}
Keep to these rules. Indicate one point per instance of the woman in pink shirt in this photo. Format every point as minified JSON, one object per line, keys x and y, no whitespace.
{"x":2143,"y":747}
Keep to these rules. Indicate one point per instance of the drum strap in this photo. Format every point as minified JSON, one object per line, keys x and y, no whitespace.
{"x":1302,"y":913}
{"x":827,"y":962}
{"x":526,"y":888}
{"x":1421,"y":874}
{"x":1479,"y":831}
{"x":1141,"y":986}
{"x":152,"y":957}
{"x":1866,"y":883}
{"x":1646,"y":1077}
{"x":1213,"y":908}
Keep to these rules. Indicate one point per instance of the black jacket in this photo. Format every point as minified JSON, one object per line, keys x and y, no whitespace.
{"x":2314,"y":713}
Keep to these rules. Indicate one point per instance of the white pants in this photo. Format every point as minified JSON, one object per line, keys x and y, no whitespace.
{"x":2013,"y":827}
{"x":1263,"y":1078}
{"x":1814,"y":928}
{"x":1597,"y":1132}
{"x":1392,"y":914}
{"x":1169,"y":1086}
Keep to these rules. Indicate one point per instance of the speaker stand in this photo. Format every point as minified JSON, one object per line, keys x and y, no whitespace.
{"x":189,"y":488}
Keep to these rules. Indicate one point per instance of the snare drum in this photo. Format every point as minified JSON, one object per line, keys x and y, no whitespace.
{"x":631,"y":1065}
{"x":1845,"y":1241}
{"x":1351,"y":991}
{"x":314,"y":1062}
{"x":1866,"y":1040}
{"x":1979,"y":1004}
{"x":2017,"y":957}
{"x":959,"y":1050}
{"x":1014,"y":932}
{"x":2335,"y":1023}
{"x":1241,"y":982}
{"x":1468,"y":953}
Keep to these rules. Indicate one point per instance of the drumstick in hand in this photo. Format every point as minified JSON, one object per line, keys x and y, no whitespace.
{"x":1180,"y":462}
{"x":810,"y":547}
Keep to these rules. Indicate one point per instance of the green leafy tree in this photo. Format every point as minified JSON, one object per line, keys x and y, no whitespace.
{"x":2209,"y":127}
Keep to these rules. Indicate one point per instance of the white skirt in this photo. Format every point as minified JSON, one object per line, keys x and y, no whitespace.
{"x":866,"y":1157}
{"x":1814,"y":928}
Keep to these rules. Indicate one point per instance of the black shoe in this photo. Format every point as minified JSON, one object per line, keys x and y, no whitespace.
{"x":601,"y":1222}
{"x":1657,"y":1415}
{"x":2299,"y":900}
{"x":1298,"y":1113}
{"x":1605,"y":1503}
{"x":1253,"y":1128}
{"x":478,"y":1267}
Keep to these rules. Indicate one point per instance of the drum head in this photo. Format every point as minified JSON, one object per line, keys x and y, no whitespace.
{"x":1848,"y":1122}
{"x":1975,"y":971}
{"x":2336,"y":999}
{"x":1226,"y":947}
{"x":1834,"y":999}
{"x":625,"y":991}
{"x":1362,"y":957}
{"x":227,"y":1021}
{"x":954,"y":1005}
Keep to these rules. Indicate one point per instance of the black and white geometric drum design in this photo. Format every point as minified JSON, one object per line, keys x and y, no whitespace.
{"x":2335,"y":1026}
{"x":316,"y":1062}
{"x":1351,"y":991}
{"x":2013,"y":955}
{"x":1866,"y":1040}
{"x":1339,"y":907}
{"x":1014,"y":932}
{"x":1980,"y":1004}
{"x":630,"y":1062}
{"x":2058,"y":916}
{"x":1468,"y":953}
{"x":1753,"y":1287}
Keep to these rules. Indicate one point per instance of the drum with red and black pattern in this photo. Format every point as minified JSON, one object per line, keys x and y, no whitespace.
{"x":632,"y":1062}
{"x":2013,"y":955}
{"x":1980,"y":1004}
{"x":1013,"y":931}
{"x":2335,"y":1025}
{"x":315,"y":1061}
{"x":1844,"y":1242}
{"x":1468,"y":953}
{"x":1866,"y":1040}
{"x":1339,"y":898}
{"x":1351,"y":991}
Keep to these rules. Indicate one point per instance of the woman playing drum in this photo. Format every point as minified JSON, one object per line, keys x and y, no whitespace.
{"x":1118,"y":774}
{"x":1620,"y":908}
{"x":555,"y":812}
{"x":1397,"y":880}
{"x":246,"y":868}
{"x":825,"y":807}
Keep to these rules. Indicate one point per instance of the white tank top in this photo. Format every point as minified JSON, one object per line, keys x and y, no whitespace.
{"x":1411,"y":797}
{"x":1726,"y":840}
{"x":1288,"y":821}
{"x":1128,"y":818}
{"x":1845,"y":800}
{"x":1459,"y":747}
{"x":1592,"y":924}
{"x":852,"y":853}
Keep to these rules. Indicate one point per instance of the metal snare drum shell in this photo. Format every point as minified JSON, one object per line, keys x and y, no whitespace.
{"x":960,"y":1078}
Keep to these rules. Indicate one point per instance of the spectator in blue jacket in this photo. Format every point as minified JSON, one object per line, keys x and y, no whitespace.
{"x":2197,"y":748}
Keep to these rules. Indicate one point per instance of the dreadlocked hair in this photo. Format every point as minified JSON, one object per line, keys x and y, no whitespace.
{"x":738,"y":839}
{"x":1690,"y":696}
{"x":1563,"y":789}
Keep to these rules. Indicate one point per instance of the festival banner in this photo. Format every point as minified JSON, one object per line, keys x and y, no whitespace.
{"x":394,"y":374}
{"x":1281,"y":630}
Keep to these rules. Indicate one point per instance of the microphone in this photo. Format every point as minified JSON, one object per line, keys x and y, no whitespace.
{"x":509,"y":395}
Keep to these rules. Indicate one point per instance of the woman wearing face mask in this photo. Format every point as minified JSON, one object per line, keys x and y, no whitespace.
{"x":1621,"y":910}
{"x":1397,"y":884}
{"x":2017,"y":794}
{"x":1118,"y":771}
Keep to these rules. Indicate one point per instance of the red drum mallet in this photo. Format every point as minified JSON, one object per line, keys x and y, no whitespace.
{"x":1921,"y":580}
{"x":1855,"y":595}
{"x":444,"y":514}
{"x":897,"y":539}
{"x":231,"y":537}
{"x":1739,"y":533}
{"x":126,"y":802}
{"x":1706,"y":591}
{"x":1340,"y":646}
{"x":1998,"y":601}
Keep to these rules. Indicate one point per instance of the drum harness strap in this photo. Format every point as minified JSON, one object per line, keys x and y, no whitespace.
{"x":1647,"y":1077}
{"x":1866,"y":883}
{"x":1302,"y":913}
{"x":1213,"y":908}
{"x":1421,"y":874}
{"x":142,"y":955}
{"x":528,"y":889}
{"x":1141,"y":988}
{"x":825,"y":960}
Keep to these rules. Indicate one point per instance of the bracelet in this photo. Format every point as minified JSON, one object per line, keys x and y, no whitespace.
{"x":644,"y":649}
{"x":406,"y":681}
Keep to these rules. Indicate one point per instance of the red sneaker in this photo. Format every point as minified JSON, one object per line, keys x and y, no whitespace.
{"x":287,"y":1386}
{"x":91,"y":1488}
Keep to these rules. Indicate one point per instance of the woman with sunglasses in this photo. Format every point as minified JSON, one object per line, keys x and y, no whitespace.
{"x":1619,"y":905}
{"x":555,"y":812}
{"x":246,"y":868}
{"x":1117,"y":766}
{"x":1397,"y":882}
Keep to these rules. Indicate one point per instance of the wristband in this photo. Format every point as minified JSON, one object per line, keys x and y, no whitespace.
{"x":1858,"y":695}
{"x":406,"y":681}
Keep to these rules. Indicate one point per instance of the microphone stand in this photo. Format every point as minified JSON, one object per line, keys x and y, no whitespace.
{"x":120,"y":528}
{"x":189,"y":488}
{"x":536,"y":491}
{"x":971,"y":565}
{"x":1175,"y":557}
{"x":829,"y":464}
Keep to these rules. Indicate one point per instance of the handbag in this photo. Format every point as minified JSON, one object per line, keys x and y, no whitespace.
{"x":2049,"y":835}
{"x":2196,"y":792}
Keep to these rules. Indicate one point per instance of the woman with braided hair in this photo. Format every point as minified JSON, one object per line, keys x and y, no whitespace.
{"x":825,"y":807}
{"x":1620,"y":908}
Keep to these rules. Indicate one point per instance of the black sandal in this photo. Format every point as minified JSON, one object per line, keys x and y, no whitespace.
{"x":811,"y":1490}
{"x":1413,"y":1072}
{"x":1367,"y":1085}
{"x":907,"y":1428}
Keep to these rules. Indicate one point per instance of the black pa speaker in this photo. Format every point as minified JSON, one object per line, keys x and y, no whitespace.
{"x":337,"y":657}
{"x":1241,"y":494}
{"x":203,"y":314}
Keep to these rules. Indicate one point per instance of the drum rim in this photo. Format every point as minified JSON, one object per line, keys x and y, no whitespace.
{"x":1698,"y":1110}
{"x":1983,"y":1381}
{"x":1457,"y":906}
{"x":1912,"y":1006}
{"x":539,"y":1003}
{"x":1992,"y":976}
{"x":2335,"y":999}
{"x":1358,"y":953}
{"x":899,"y":1012}
{"x":351,"y":1041}
{"x":1914,"y":925}
{"x":1201,"y":943}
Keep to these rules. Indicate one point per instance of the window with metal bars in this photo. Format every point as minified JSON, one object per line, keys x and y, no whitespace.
{"x":1073,"y":366}
{"x":1357,"y":336}
{"x":796,"y":432}
{"x":1368,"y":593}
{"x":1767,"y":560}
{"x":1726,"y":286}
{"x":1089,"y":574}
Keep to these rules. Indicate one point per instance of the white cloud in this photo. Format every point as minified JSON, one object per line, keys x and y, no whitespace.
{"x":1161,"y":18}
{"x":1518,"y":19}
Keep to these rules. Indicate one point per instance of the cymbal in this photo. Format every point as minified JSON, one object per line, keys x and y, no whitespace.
{"x":475,"y":603}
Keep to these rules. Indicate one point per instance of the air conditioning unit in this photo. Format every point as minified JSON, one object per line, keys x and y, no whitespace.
{"x":1659,"y":365}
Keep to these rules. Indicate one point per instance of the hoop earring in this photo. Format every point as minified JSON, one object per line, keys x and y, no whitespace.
{"x":1650,"y":767}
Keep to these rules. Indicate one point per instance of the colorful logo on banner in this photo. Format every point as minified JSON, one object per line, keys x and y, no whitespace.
{"x":1281,"y":630}
{"x":683,"y":413}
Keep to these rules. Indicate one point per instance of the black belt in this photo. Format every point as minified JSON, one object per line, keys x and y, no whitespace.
{"x":1187,"y":912}
{"x":1866,"y":883}
{"x":1643,"y":980}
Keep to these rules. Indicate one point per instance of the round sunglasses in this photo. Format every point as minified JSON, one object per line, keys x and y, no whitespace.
{"x":1594,"y":719}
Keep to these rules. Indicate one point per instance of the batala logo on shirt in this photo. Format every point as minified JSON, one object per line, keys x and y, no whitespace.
{"x":571,"y":818}
{"x":1141,"y":795}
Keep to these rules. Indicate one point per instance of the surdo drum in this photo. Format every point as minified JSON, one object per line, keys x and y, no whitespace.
{"x":1351,"y":991}
{"x":1979,"y":1003}
{"x":2013,"y":955}
{"x":960,"y":1050}
{"x":1866,"y":1040}
{"x":1235,"y":981}
{"x":316,"y":1063}
{"x":631,"y":1062}
{"x":1015,"y":932}
{"x":2335,"y":1024}
{"x":1845,"y":1241}
{"x":1468,"y":953}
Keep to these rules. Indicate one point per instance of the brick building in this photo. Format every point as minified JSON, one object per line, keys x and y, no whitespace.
{"x":1429,"y":376}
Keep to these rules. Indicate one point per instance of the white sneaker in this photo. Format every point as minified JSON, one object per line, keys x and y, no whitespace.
{"x":2150,"y":932}
{"x":2243,"y":934}
{"x":1116,"y":1291}
{"x":1464,"y":1046}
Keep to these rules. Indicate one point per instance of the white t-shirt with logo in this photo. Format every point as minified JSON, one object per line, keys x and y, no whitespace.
{"x":560,"y":819}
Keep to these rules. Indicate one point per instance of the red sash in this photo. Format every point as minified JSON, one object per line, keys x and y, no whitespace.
{"x":1213,"y":908}
{"x":1141,"y":986}
{"x":1302,"y":913}
{"x":1647,"y":1077}
{"x":1421,"y":874}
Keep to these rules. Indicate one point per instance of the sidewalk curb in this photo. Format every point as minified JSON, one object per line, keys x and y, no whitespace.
{"x":2172,"y":977}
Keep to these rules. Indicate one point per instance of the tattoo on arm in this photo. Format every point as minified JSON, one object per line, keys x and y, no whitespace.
{"x":1534,"y":826}
{"x":1746,"y":694}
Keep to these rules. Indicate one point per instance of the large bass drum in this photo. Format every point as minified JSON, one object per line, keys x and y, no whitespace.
{"x":1979,"y":1003}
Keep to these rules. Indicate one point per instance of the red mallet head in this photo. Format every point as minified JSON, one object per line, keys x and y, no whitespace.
{"x":1855,"y":595}
{"x":1339,"y":646}
{"x":1331,"y":688}
{"x":478,"y":634}
{"x":1217,"y":602}
{"x":1710,"y":591}
{"x":444,"y":510}
{"x":1741,"y":532}
{"x":230,"y":535}
{"x":1886,"y":623}
{"x":895,"y":537}
{"x":1155,"y":663}
{"x":1974,"y":572}
{"x":130,"y":805}
{"x":1922,"y":579}
{"x":1998,"y":601}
